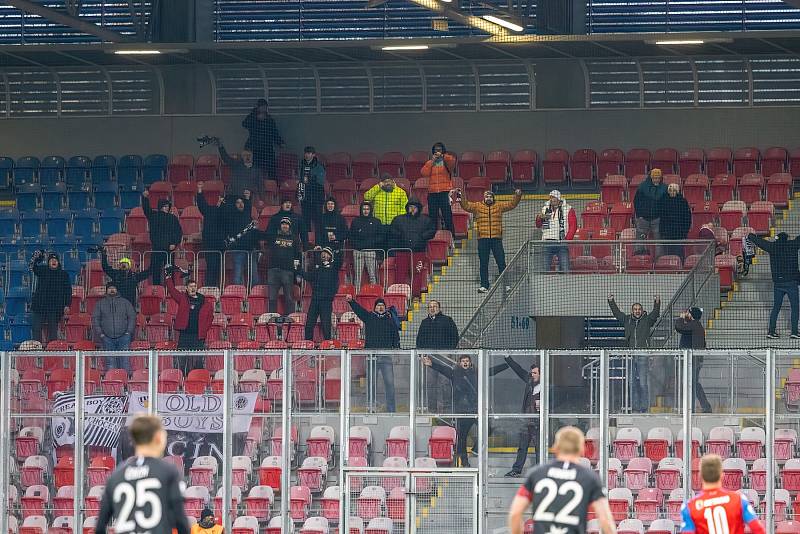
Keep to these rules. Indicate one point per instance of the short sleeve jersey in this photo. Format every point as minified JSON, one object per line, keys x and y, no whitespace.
{"x":144,"y":495}
{"x":717,"y":511}
{"x":560,"y":495}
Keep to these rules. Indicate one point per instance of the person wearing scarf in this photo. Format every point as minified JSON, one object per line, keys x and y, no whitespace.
{"x":207,"y":524}
{"x":648,"y":204}
{"x":558,"y":223}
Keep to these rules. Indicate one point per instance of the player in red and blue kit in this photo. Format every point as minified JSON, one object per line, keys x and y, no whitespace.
{"x":716,"y":510}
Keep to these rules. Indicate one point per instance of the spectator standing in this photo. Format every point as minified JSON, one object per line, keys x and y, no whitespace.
{"x":214,"y":230}
{"x":437,"y":331}
{"x":311,"y":188}
{"x":411,"y":231}
{"x":333,"y":231}
{"x":693,"y":336}
{"x":648,"y":205}
{"x":638,"y":329}
{"x":324,"y":280}
{"x":388,"y":199}
{"x":366,"y":234}
{"x":676,"y":219}
{"x":785,"y":276}
{"x":242,"y":239}
{"x":439,"y":170}
{"x":558,"y":223}
{"x":207,"y":524}
{"x":125,"y":279}
{"x":113,"y":325}
{"x":464,"y":378}
{"x":299,"y":223}
{"x":193,"y":319}
{"x":52,"y":296}
{"x":284,"y":259}
{"x":489,"y":222}
{"x":165,"y":234}
{"x":244,"y":173}
{"x":264,"y":137}
{"x":380,"y":332}
{"x":529,"y":433}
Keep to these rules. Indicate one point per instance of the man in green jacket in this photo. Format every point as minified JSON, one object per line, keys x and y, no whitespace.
{"x":638,"y":326}
{"x":387,"y":198}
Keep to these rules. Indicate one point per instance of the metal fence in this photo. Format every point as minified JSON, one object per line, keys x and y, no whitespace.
{"x":64,"y":418}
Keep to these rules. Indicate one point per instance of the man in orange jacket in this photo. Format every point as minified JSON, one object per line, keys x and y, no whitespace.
{"x":439,"y":171}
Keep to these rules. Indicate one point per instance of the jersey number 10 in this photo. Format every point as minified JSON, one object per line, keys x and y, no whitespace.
{"x":716,"y":520}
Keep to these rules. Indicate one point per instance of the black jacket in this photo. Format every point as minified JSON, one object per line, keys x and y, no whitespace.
{"x":213,"y":224}
{"x":437,"y":332}
{"x":298,"y":225}
{"x":637,"y":331}
{"x":311,"y":182}
{"x":532,"y":389}
{"x":126,"y":280}
{"x":412,"y":231}
{"x":333,"y":222}
{"x":648,"y":199}
{"x":324,"y":279}
{"x":236,"y":222}
{"x":264,"y":135}
{"x":693,"y":335}
{"x":283,"y":250}
{"x":465,"y":383}
{"x":676,"y":217}
{"x":782,"y":256}
{"x":380,"y":331}
{"x":53,"y":288}
{"x":242,"y":176}
{"x":367,"y":232}
{"x":165,"y":229}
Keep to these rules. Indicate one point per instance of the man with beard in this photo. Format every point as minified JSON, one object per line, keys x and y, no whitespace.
{"x":264,"y":137}
{"x":113,"y":325}
{"x":165,"y":234}
{"x":437,"y":332}
{"x":311,"y":187}
{"x":333,"y":231}
{"x":388,"y":200}
{"x":244,"y":174}
{"x":299,"y":223}
{"x":529,"y":433}
{"x":367,"y":235}
{"x":125,"y":279}
{"x":242,"y":238}
{"x":193,"y":319}
{"x":284,"y":259}
{"x":324,"y":280}
{"x":648,"y":205}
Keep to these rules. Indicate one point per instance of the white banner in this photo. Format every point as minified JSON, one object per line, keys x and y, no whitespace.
{"x":198,"y":413}
{"x":100,"y":431}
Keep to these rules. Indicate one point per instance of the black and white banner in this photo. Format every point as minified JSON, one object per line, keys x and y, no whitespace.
{"x":102,"y":430}
{"x":198,"y":413}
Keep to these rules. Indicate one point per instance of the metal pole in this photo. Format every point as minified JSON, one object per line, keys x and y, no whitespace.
{"x":286,"y":437}
{"x":688,"y":404}
{"x":412,"y":406}
{"x":770,"y":432}
{"x":483,"y":439}
{"x":152,"y":382}
{"x":5,"y":437}
{"x":544,"y":404}
{"x":227,"y":439}
{"x":344,"y":431}
{"x":78,"y":447}
{"x":603,"y":413}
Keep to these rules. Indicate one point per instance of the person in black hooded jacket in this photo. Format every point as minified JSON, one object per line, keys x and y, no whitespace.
{"x":437,"y":331}
{"x":324,"y":280}
{"x":311,"y":188}
{"x":676,"y":219}
{"x":785,"y":275}
{"x":264,"y":137}
{"x":334,"y":230}
{"x":52,"y":297}
{"x":299,"y":224}
{"x":411,"y":231}
{"x":367,"y":235}
{"x":213,"y":235}
{"x":464,"y":378}
{"x":242,"y":238}
{"x":165,"y":234}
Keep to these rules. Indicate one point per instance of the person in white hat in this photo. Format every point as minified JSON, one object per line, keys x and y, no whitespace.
{"x":558,"y":222}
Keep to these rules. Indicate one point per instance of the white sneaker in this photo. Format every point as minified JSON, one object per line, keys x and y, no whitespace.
{"x":483,"y":289}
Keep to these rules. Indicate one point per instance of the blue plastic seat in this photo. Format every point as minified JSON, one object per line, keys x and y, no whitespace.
{"x":10,"y":248}
{"x":84,"y":223}
{"x":31,"y":224}
{"x":78,"y":199}
{"x":103,"y":168}
{"x":77,"y":171}
{"x":27,"y":196}
{"x":130,"y":198}
{"x":25,"y":170}
{"x":17,"y":299}
{"x":19,"y":273}
{"x":155,"y":168}
{"x":20,"y":328}
{"x":9,"y":219}
{"x":72,"y":265}
{"x":85,"y":243}
{"x":53,"y":197}
{"x":51,"y":170}
{"x":105,"y":195}
{"x":64,"y":245}
{"x":111,"y":221}
{"x":128,"y":170}
{"x":6,"y":170}
{"x":58,"y":223}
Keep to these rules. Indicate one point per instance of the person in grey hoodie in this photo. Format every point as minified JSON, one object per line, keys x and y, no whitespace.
{"x":638,"y":326}
{"x":113,"y":324}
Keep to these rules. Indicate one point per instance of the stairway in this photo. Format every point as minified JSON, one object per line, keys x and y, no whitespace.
{"x":744,"y":315}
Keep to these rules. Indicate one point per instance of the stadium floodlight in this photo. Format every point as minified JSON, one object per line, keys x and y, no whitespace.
{"x":504,"y":23}
{"x":401,"y":48}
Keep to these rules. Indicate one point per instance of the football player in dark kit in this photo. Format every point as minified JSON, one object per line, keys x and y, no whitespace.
{"x":144,"y":494}
{"x":561,"y":492}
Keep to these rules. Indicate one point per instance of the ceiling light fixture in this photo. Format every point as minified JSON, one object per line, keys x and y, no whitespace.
{"x":400,"y":48}
{"x":137,"y":52}
{"x":504,"y":23}
{"x":681,"y":42}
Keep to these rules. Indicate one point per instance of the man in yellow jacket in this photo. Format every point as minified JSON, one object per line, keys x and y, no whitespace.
{"x":489,"y":223}
{"x":207,"y":524}
{"x":387,"y":198}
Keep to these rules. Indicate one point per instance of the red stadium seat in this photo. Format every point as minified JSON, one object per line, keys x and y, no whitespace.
{"x":718,"y":161}
{"x":555,"y":166}
{"x":695,"y":188}
{"x":583,"y":167}
{"x":794,"y":163}
{"x":594,"y":215}
{"x":779,"y":189}
{"x":471,"y":164}
{"x":668,"y":263}
{"x":337,"y":166}
{"x":774,"y":161}
{"x":414,"y":162}
{"x":731,"y":214}
{"x":191,"y":221}
{"x":726,"y":265}
{"x":364,"y":165}
{"x":722,"y":188}
{"x":232,"y":299}
{"x":391,"y":163}
{"x":184,"y":194}
{"x":665,"y":159}
{"x":441,"y":444}
{"x":760,"y":216}
{"x":523,"y":166}
{"x":745,"y":161}
{"x":613,"y":188}
{"x":620,"y":216}
{"x":610,"y":161}
{"x":180,"y":168}
{"x":634,"y":184}
{"x":497,"y":166}
{"x":691,"y":161}
{"x":206,"y":168}
{"x":637,"y":161}
{"x":160,"y":191}
{"x":750,"y":188}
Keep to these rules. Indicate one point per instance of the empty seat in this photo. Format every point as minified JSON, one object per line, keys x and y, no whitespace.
{"x":371,"y":502}
{"x":734,"y":470}
{"x":718,"y":161}
{"x":720,"y":441}
{"x":555,"y":166}
{"x":441,"y":444}
{"x":668,"y":473}
{"x":620,"y":500}
{"x":637,"y":474}
{"x":637,"y":161}
{"x":245,"y":524}
{"x":397,"y":442}
{"x":751,"y":443}
{"x":626,"y":443}
{"x":609,"y":162}
{"x":523,"y":166}
{"x":774,"y":161}
{"x":750,"y":188}
{"x":630,"y":526}
{"x":203,"y":471}
{"x":659,"y":441}
{"x":299,"y":502}
{"x":320,"y":442}
{"x":745,"y":160}
{"x":360,"y":442}
{"x":313,"y":472}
